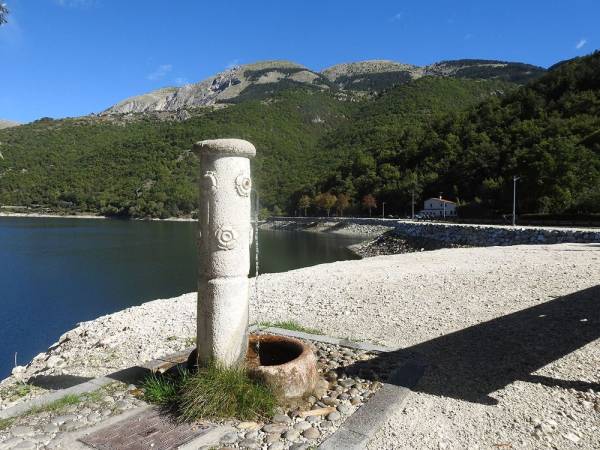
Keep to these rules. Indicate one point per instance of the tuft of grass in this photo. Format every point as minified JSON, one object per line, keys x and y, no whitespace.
{"x":22,"y":389}
{"x":217,"y":392}
{"x":16,"y":391}
{"x":163,"y":389}
{"x":5,"y":423}
{"x":214,"y":392}
{"x":57,"y":405}
{"x":290,"y":325}
{"x":94,"y":396}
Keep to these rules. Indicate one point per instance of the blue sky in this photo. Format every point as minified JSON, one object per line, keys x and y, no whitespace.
{"x":63,"y":58}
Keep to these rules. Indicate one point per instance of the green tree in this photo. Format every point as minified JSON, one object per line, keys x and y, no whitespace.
{"x":304,"y":203}
{"x":369,"y":202}
{"x":264,"y":214}
{"x":342,"y":203}
{"x":325,"y":201}
{"x":3,"y":13}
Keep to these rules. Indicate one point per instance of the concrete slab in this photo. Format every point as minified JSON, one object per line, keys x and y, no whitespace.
{"x":366,"y":346}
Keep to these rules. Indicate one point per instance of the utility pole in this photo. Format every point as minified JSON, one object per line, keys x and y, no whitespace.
{"x":412,"y":216}
{"x":514,"y":214}
{"x":382,"y":210}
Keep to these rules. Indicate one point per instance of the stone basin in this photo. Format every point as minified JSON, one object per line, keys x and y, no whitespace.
{"x":284,"y":363}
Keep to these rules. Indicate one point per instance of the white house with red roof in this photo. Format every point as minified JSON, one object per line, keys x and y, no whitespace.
{"x":438,"y":207}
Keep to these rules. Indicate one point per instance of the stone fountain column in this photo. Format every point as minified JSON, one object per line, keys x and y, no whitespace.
{"x":225,"y":236}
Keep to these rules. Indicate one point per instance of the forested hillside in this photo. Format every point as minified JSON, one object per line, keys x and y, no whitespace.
{"x":547,"y":133}
{"x":463,"y":137}
{"x":144,"y":167}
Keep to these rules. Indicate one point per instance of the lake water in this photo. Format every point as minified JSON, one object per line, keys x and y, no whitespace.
{"x":57,"y":272}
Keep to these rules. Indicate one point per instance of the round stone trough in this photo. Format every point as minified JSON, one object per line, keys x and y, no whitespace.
{"x":284,"y":363}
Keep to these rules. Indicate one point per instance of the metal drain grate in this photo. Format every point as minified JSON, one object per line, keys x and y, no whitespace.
{"x":146,"y":430}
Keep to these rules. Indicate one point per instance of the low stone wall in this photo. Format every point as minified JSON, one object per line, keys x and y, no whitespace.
{"x":488,"y":235}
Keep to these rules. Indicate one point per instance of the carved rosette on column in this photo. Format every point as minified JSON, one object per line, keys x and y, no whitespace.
{"x":224,"y":249}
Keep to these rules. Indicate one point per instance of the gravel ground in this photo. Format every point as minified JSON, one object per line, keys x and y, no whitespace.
{"x":46,"y":428}
{"x":510,"y":334}
{"x":510,"y":382}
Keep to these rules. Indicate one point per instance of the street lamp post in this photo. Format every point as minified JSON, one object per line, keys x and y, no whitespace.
{"x":514,"y":212}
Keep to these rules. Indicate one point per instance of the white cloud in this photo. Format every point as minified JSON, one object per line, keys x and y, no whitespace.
{"x":581,"y":43}
{"x":160,"y":72}
{"x":76,"y":3}
{"x":396,"y":17}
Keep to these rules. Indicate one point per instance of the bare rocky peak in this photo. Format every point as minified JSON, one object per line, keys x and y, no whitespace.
{"x":362,"y":76}
{"x":275,"y":64}
{"x":346,"y":75}
{"x":366,"y":67}
{"x":223,"y":86}
{"x":7,"y":124}
{"x":450,"y":68}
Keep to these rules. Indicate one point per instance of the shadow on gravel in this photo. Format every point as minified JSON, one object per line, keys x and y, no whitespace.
{"x":472,"y":363}
{"x":57,"y":381}
{"x":129,"y":375}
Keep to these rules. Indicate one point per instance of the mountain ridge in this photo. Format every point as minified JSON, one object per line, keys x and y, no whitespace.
{"x":219,"y":88}
{"x":263,"y":78}
{"x":8,"y":124}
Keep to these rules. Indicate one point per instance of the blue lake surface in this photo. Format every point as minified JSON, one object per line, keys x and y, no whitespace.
{"x":56,"y":272}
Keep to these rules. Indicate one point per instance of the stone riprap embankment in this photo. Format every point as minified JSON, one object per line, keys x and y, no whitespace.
{"x":391,"y":243}
{"x":488,"y":235}
{"x":449,"y":233}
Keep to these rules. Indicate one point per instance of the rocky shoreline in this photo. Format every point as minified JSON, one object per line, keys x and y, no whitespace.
{"x":50,"y":216}
{"x":392,"y":243}
{"x":89,"y":216}
{"x":379,"y":239}
{"x":328,"y":226}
